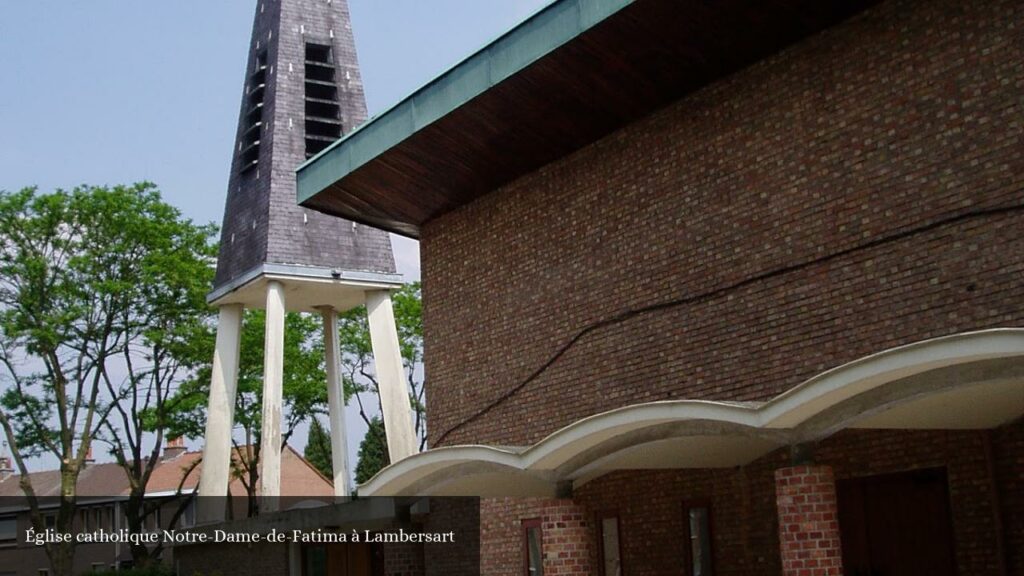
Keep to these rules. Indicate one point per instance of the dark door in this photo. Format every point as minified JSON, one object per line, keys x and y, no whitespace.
{"x":350,"y":559}
{"x":896,"y":524}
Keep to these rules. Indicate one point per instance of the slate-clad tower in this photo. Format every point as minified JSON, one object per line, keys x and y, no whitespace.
{"x":302,"y":92}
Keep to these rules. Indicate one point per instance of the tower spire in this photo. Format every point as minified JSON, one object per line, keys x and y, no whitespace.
{"x":302,"y":92}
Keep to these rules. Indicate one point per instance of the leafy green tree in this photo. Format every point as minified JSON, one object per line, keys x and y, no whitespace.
{"x":304,"y":391}
{"x":373,"y":452}
{"x":318,"y":449}
{"x":100,"y":297}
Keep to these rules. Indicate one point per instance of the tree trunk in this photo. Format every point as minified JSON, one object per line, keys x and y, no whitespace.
{"x":136,"y":505}
{"x":62,"y":555}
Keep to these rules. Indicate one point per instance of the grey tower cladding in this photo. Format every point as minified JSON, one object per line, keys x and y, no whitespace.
{"x":302,"y":91}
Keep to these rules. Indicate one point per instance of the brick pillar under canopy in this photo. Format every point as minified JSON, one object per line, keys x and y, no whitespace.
{"x":566,"y":538}
{"x":808,"y":521}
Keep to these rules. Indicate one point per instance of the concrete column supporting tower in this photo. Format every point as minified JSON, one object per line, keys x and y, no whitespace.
{"x":387,"y":358}
{"x":335,"y":402}
{"x":213,"y":482}
{"x":273,"y":396}
{"x":805,"y":496}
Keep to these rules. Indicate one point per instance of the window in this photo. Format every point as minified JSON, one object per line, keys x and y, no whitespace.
{"x":98,"y":566}
{"x":151,"y":523}
{"x":8,"y":528}
{"x":188,"y":517}
{"x":699,"y":524}
{"x":255,"y":90}
{"x":533,"y":548}
{"x":611,"y":550}
{"x":315,"y":560}
{"x":323,"y":113}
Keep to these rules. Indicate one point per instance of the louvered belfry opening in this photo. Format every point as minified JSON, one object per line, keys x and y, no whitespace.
{"x":252,"y":122}
{"x":323,"y":113}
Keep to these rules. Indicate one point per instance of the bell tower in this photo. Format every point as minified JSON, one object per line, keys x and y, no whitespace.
{"x":302,"y":91}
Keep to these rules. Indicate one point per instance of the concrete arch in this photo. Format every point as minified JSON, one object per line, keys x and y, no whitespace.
{"x":923,"y":383}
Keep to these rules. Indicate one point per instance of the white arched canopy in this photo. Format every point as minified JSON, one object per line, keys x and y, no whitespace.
{"x":972,"y":380}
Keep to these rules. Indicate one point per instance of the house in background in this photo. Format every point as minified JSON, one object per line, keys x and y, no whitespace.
{"x":102,"y":493}
{"x":717,"y":287}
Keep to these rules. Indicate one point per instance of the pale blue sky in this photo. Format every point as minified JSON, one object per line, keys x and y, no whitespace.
{"x":117,"y":91}
{"x":112,"y":91}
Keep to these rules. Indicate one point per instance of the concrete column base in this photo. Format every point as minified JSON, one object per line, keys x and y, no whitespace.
{"x":808,"y":521}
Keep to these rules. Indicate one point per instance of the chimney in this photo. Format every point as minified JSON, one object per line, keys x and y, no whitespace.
{"x":88,"y":457}
{"x":6,"y":468}
{"x":175,"y":447}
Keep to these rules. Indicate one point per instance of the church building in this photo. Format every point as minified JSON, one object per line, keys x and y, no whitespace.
{"x":715,"y":288}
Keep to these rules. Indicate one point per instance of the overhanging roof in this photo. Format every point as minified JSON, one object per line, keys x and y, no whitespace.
{"x":967,"y":381}
{"x":566,"y":76}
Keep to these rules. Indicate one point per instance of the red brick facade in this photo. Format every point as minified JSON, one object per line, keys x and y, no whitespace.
{"x":808,"y":514}
{"x":403,"y":560}
{"x":822,"y":180}
{"x":565,"y":527}
{"x":858,"y":191}
{"x":650,"y":504}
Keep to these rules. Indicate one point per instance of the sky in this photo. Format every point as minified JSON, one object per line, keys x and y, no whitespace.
{"x":119,"y":91}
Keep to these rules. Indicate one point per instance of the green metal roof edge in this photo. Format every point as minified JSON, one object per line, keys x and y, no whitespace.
{"x":538,"y":35}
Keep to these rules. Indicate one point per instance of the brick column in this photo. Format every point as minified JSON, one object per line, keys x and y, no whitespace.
{"x":808,"y":521}
{"x":566,"y":537}
{"x":403,"y":559}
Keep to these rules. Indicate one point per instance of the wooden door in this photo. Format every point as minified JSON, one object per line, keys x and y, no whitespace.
{"x":352,"y":559}
{"x":896,"y":524}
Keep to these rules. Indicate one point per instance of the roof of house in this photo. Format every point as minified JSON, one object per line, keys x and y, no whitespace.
{"x":568,"y":75}
{"x":108,"y":479}
{"x":95,"y":480}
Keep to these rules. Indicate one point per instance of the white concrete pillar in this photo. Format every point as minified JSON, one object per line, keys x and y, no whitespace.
{"x":394,"y":393}
{"x":273,"y":392}
{"x":220,"y":416}
{"x":335,"y":402}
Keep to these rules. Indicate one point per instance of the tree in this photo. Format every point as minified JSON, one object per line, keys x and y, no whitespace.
{"x":92,"y":282}
{"x":304,"y":391}
{"x":318,"y":449}
{"x":373,"y":452}
{"x":357,"y":355}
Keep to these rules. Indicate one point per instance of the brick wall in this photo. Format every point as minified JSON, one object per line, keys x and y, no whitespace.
{"x":650,"y":504}
{"x":908,"y":114}
{"x":962,"y":453}
{"x":808,"y":517}
{"x":651,"y":507}
{"x":565,"y":528}
{"x":403,"y":559}
{"x":461,"y":558}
